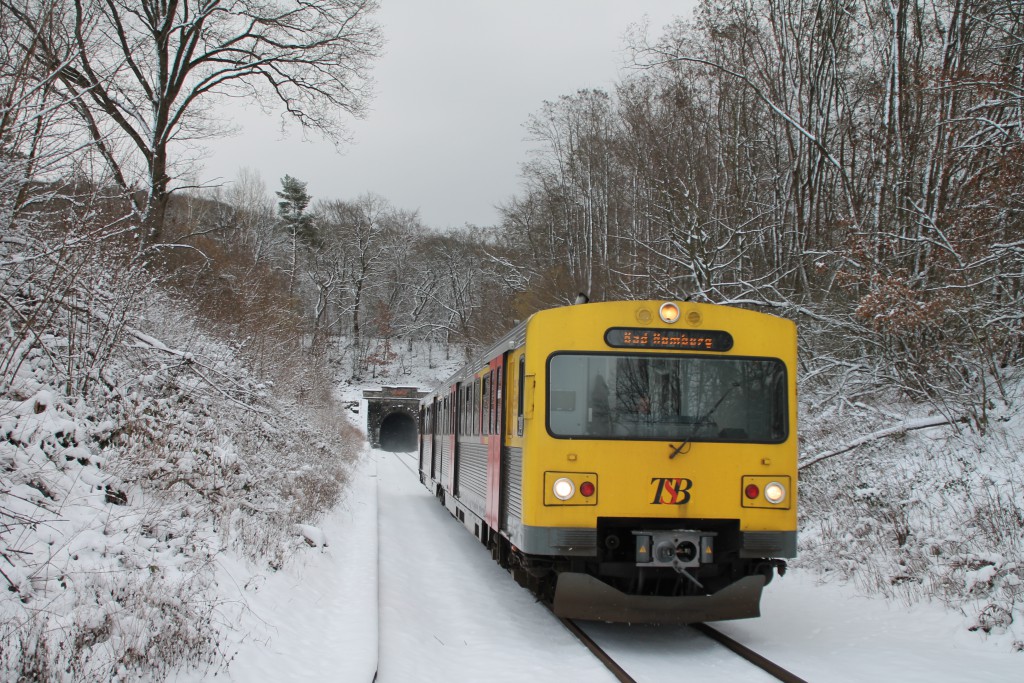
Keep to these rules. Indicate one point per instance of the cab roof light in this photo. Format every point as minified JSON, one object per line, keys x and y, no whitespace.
{"x":669,"y":313}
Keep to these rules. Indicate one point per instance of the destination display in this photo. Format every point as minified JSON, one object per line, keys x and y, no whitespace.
{"x":644,"y":338}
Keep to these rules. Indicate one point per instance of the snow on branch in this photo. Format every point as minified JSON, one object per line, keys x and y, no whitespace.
{"x":898,"y":430}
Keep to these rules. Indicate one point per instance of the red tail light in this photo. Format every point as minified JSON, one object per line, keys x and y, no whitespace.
{"x":752,"y":491}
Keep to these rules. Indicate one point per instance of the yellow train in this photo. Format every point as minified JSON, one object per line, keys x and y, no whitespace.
{"x":628,"y":461}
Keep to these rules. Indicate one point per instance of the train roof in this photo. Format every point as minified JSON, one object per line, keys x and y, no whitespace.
{"x":517,"y":336}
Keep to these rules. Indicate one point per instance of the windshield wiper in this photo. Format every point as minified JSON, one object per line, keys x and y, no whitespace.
{"x":676,"y":450}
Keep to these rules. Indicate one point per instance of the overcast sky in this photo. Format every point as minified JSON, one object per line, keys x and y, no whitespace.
{"x":459,"y":78}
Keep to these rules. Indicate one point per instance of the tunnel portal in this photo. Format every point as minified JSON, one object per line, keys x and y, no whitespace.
{"x":392,"y":422}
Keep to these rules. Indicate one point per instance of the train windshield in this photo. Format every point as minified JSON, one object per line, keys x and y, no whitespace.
{"x":690,"y":398}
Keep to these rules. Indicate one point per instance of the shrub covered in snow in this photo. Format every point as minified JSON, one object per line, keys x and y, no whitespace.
{"x":128,"y":461}
{"x":931,"y":513}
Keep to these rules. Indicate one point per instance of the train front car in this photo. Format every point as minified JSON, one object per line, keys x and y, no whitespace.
{"x":656,"y":449}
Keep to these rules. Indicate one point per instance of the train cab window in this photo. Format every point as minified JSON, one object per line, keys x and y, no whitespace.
{"x":692,"y":398}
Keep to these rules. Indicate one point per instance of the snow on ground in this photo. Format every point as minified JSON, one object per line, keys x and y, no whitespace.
{"x":449,"y":614}
{"x":316,"y":620}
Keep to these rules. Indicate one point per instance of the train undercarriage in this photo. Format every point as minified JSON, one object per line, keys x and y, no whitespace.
{"x":649,"y":571}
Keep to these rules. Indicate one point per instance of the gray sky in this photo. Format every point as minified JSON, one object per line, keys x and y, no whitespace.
{"x":458,"y":80}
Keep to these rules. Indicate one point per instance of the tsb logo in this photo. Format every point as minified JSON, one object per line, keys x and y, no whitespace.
{"x":671,"y":490}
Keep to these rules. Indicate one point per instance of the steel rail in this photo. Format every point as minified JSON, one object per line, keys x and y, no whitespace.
{"x":601,"y":655}
{"x":746,"y":653}
{"x":743,"y":651}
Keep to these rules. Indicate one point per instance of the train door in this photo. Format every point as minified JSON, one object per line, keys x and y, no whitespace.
{"x":424,"y":425}
{"x":451,"y":438}
{"x":495,"y":435}
{"x":511,"y":502}
{"x":435,"y":441}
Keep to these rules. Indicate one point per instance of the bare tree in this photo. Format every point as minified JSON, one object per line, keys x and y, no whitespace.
{"x":359,"y":235}
{"x":151,"y":71}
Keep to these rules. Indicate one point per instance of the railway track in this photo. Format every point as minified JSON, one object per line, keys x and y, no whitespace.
{"x":743,"y":651}
{"x":598,"y":652}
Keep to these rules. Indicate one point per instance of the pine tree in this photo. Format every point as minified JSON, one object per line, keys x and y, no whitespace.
{"x":292,"y":210}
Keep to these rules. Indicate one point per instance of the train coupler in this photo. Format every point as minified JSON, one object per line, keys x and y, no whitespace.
{"x":680,"y":549}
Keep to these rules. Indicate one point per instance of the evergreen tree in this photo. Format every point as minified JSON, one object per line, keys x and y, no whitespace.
{"x":292,"y":210}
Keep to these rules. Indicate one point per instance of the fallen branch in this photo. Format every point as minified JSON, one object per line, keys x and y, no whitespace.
{"x":900,"y":429}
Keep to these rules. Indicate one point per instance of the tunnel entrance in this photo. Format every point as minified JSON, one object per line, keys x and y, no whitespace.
{"x":392,"y":418}
{"x":398,"y":433}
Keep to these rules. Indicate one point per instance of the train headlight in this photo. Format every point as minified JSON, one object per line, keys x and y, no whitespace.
{"x":769,"y":492}
{"x":775,"y":493}
{"x":563,"y":488}
{"x":669,"y":312}
{"x":570,"y":488}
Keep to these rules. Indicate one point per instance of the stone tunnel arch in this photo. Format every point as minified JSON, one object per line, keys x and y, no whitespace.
{"x":398,"y":432}
{"x":392,"y":418}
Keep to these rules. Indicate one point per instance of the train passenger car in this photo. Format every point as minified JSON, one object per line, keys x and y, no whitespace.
{"x":628,"y":461}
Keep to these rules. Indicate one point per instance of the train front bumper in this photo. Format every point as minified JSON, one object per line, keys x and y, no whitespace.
{"x":581,"y":596}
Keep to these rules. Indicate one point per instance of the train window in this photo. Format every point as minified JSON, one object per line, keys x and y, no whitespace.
{"x":463,"y":409}
{"x":476,"y":406}
{"x":486,"y":412}
{"x":692,"y":398}
{"x":496,"y":403}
